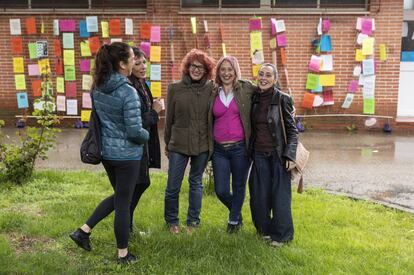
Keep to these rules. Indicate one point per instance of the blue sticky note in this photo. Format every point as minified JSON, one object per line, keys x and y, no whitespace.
{"x":407,"y":56}
{"x":319,"y":88}
{"x":326,"y":45}
{"x":22,"y":101}
{"x":83,"y":32}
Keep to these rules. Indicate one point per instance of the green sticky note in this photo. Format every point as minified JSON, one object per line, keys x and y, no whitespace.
{"x":20,"y":82}
{"x":70,"y":73}
{"x":131,"y":43}
{"x":369,"y":106}
{"x":32,"y":50}
{"x":92,"y":66}
{"x":312,"y":82}
{"x":148,"y":69}
{"x":60,"y":84}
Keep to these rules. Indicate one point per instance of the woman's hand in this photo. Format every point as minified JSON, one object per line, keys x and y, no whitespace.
{"x":290,"y":165}
{"x":157,"y":106}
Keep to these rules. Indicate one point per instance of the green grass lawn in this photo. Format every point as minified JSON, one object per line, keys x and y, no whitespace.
{"x":333,"y":235}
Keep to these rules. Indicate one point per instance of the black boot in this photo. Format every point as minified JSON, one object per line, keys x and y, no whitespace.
{"x":81,"y":238}
{"x":128,"y":258}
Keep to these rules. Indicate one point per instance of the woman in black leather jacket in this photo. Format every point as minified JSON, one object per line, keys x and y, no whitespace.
{"x":273,"y":158}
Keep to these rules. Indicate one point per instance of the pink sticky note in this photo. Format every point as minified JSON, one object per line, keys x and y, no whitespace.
{"x":70,"y":89}
{"x":281,"y":40}
{"x":155,"y":34}
{"x":33,"y":69}
{"x":315,"y":63}
{"x":67,"y":25}
{"x":255,"y":24}
{"x":353,"y":86}
{"x":366,"y":26}
{"x":86,"y":100}
{"x":85,"y":65}
{"x":326,"y":25}
{"x":273,"y":25}
{"x":146,"y":48}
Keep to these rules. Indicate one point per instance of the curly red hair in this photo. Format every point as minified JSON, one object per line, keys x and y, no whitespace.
{"x":201,"y":57}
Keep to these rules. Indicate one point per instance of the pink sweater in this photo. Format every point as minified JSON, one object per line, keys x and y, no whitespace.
{"x":227,"y":123}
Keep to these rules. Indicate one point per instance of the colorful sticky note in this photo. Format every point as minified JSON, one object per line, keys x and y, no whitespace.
{"x":317,"y":101}
{"x":129,"y":26}
{"x":255,"y":70}
{"x":85,"y":49}
{"x":145,"y":30}
{"x":255,"y":42}
{"x":273,"y":44}
{"x":315,"y":63}
{"x":33,"y":69}
{"x":115,"y":27}
{"x":156,"y":88}
{"x":361,"y":37}
{"x":327,"y":63}
{"x":281,"y":40}
{"x":83,"y":32}
{"x":155,"y":34}
{"x":16,"y":45}
{"x":273,"y":25}
{"x":193,"y":21}
{"x":70,"y":73}
{"x":86,"y":100}
{"x":353,"y":86}
{"x":280,"y":26}
{"x":155,"y":72}
{"x":255,"y":24}
{"x":15,"y":27}
{"x":57,"y":47}
{"x":67,"y":25}
{"x":56,"y":27}
{"x":86,"y":115}
{"x":366,"y":26}
{"x":368,"y":46}
{"x":312,"y":82}
{"x":358,"y":55}
{"x":223,"y":48}
{"x":283,"y":59}
{"x":20,"y":81}
{"x":60,"y":84}
{"x":347,"y":101}
{"x":32,"y":50}
{"x":37,"y":87}
{"x":61,"y":103}
{"x":58,"y":66}
{"x":92,"y":23}
{"x":70,"y":88}
{"x":369,"y":106}
{"x":383,"y":52}
{"x":94,"y":44}
{"x":44,"y":66}
{"x":327,"y":80}
{"x":326,"y":25}
{"x":85,"y":65}
{"x":71,"y":107}
{"x":68,"y":41}
{"x":146,"y":48}
{"x":22,"y":100}
{"x":326,"y":44}
{"x":69,"y":57}
{"x":155,"y":54}
{"x":18,"y":65}
{"x":87,"y":82}
{"x":105,"y":29}
{"x":368,"y":67}
{"x":31,"y":25}
{"x":328,"y":98}
{"x":407,"y":56}
{"x":307,"y":100}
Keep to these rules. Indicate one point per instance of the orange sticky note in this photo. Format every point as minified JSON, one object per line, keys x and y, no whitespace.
{"x":36,"y":87}
{"x":59,"y":66}
{"x":283,"y":56}
{"x":307,"y":101}
{"x":145,"y":30}
{"x":327,"y":80}
{"x":94,"y":44}
{"x":58,"y":47}
{"x":115,"y":27}
{"x":17,"y":45}
{"x":31,"y":25}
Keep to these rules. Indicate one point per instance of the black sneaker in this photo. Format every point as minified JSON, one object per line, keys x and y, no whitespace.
{"x":81,"y":238}
{"x":129,"y":258}
{"x":233,"y":228}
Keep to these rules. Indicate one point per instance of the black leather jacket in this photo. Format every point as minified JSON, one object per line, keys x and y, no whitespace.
{"x":285,"y":151}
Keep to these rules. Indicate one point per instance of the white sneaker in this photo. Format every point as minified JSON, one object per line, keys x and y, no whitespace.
{"x":276,"y":244}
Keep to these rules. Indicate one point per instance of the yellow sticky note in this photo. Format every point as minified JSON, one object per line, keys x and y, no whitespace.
{"x":86,"y":82}
{"x":44,"y":66}
{"x":327,"y":80}
{"x":85,"y":50}
{"x":358,"y":55}
{"x":223,"y":47}
{"x":383,"y":52}
{"x":155,"y":54}
{"x":105,"y":29}
{"x":256,"y":43}
{"x":194,"y":25}
{"x":368,"y":46}
{"x":20,"y":81}
{"x":273,"y":43}
{"x":86,"y":115}
{"x":255,"y":70}
{"x":18,"y":65}
{"x":60,"y":84}
{"x":69,"y":57}
{"x":156,"y":88}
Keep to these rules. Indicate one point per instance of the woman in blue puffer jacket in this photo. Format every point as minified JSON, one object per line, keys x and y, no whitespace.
{"x":118,"y":108}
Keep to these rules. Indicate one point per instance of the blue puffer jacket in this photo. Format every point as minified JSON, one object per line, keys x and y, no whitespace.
{"x":117,"y":105}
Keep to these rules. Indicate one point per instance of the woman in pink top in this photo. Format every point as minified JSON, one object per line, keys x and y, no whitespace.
{"x":229,"y":122}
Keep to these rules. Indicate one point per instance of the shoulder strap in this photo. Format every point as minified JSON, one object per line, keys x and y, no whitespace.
{"x":281,"y":118}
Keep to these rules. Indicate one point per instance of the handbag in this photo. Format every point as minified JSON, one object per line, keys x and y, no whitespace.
{"x":91,"y":147}
{"x":302,"y":155}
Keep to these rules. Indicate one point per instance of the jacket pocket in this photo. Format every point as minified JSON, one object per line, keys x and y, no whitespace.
{"x":179,"y":138}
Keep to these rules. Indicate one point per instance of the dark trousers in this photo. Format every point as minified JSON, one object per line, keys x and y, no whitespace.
{"x":232,"y":160}
{"x":123,"y":176}
{"x":271,"y":197}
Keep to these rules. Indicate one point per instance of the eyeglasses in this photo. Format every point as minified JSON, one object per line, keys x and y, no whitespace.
{"x":200,"y":68}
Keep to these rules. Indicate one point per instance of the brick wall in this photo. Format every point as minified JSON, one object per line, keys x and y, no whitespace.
{"x":301,"y":30}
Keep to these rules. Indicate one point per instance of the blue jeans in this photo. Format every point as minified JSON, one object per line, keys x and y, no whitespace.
{"x":176,"y":168}
{"x":232,"y":160}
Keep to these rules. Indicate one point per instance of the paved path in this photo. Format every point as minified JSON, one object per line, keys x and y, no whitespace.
{"x":367,"y":165}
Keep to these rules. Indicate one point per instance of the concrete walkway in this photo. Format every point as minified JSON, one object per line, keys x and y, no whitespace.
{"x":369,"y":165}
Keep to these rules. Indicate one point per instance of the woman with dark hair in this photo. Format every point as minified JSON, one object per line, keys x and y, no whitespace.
{"x":118,"y":108}
{"x":150,"y":108}
{"x":186,"y":136}
{"x":229,"y":123}
{"x":273,"y":158}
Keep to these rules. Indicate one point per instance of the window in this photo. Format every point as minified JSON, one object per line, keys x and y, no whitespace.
{"x":118,"y":4}
{"x":222,"y":3}
{"x":73,"y":4}
{"x":56,"y":4}
{"x":342,"y":4}
{"x":16,"y":4}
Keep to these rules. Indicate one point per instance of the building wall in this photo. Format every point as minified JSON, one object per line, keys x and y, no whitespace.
{"x":301,"y":30}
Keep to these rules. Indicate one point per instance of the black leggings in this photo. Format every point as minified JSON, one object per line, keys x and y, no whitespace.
{"x":123,"y":176}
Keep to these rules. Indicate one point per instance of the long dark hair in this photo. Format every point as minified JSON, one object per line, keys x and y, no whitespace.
{"x":138,"y":52}
{"x":107,"y":61}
